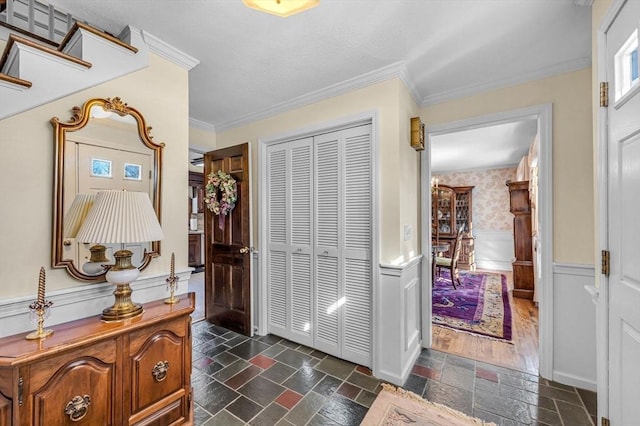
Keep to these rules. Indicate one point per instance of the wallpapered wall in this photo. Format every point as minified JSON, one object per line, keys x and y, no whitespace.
{"x":490,"y":197}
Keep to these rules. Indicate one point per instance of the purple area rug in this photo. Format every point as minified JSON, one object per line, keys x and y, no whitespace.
{"x":480,"y":304}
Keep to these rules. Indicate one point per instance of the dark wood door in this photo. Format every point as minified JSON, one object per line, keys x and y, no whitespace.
{"x":227,"y":254}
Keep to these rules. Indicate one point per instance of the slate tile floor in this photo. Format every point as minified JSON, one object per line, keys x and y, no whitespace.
{"x":271,"y":381}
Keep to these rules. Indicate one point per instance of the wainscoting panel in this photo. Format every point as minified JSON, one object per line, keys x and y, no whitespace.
{"x":398,"y":317}
{"x":574,"y":326}
{"x":493,"y":249}
{"x":83,"y":301}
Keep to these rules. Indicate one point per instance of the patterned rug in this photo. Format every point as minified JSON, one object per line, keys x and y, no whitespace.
{"x":479,"y":305}
{"x":396,"y":406}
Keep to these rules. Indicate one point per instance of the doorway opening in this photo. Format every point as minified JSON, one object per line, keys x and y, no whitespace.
{"x":473,"y":160}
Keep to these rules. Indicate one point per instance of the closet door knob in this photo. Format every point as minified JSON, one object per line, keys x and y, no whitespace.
{"x":244,"y":250}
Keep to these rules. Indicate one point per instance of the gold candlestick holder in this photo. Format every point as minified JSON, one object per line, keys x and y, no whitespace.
{"x":172,"y":283}
{"x":40,"y":310}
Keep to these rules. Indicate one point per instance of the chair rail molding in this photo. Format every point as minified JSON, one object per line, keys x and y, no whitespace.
{"x":84,"y":301}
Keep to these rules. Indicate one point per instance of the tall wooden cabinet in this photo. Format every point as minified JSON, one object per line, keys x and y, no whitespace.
{"x":520,"y":207}
{"x":452,"y":209}
{"x":89,"y":372}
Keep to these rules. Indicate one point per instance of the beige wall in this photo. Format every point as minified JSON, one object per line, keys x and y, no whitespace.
{"x":200,"y":139}
{"x":203,"y":141}
{"x":160,"y":93}
{"x":570,"y":94}
{"x":398,"y":164}
{"x":408,"y":177}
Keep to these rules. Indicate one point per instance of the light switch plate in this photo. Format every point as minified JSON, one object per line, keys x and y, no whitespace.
{"x":407,"y":232}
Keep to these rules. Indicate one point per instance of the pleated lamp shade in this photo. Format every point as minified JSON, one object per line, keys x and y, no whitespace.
{"x":78,"y":211}
{"x":120,"y":217}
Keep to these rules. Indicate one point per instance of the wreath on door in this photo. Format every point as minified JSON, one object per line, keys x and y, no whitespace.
{"x":221,"y":194}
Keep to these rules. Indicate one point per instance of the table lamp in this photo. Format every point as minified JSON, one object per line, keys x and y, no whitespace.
{"x":121,"y":217}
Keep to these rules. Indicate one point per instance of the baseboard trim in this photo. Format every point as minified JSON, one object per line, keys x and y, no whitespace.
{"x":571,"y":380}
{"x":493,"y":265}
{"x":399,"y":380}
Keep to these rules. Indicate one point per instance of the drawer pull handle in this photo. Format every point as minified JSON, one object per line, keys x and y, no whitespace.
{"x":77,"y":408}
{"x":160,"y":370}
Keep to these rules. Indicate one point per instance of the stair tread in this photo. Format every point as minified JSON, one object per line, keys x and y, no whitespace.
{"x":16,"y":39}
{"x":79,"y":25}
{"x":26,"y":33}
{"x":15,"y":80}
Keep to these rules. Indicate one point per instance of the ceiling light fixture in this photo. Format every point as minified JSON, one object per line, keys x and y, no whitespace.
{"x":281,"y":8}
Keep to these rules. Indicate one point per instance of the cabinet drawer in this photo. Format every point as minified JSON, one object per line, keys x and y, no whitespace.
{"x":78,"y":387}
{"x":169,"y":411}
{"x":157,"y":366}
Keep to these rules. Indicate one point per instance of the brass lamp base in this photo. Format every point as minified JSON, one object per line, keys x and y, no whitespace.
{"x":121,"y":274}
{"x":124,"y":308}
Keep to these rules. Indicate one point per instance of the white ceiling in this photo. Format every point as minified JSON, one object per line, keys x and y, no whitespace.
{"x":253,"y":64}
{"x":494,"y":146}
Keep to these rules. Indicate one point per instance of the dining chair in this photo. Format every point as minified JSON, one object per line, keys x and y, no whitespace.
{"x":451,"y":263}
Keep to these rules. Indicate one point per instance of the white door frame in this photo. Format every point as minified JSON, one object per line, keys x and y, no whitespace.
{"x":602,"y":220}
{"x":543,"y":113}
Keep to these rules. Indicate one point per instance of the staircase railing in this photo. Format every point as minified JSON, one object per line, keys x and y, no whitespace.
{"x":37,"y":18}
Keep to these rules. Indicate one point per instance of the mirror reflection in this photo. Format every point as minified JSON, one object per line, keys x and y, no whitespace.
{"x":105,"y":146}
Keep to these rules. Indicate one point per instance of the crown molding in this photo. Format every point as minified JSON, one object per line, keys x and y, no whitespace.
{"x":169,"y":52}
{"x":465,"y":91}
{"x":194,"y":122}
{"x":475,"y":169}
{"x":587,"y":3}
{"x":405,"y":76}
{"x":395,"y":70}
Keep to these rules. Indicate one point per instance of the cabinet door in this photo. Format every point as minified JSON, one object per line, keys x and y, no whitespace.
{"x":195,"y":247}
{"x":463,"y":211}
{"x":343,"y":206}
{"x":358,"y":225}
{"x":289,"y":226}
{"x":79,"y":387}
{"x":5,"y":411}
{"x":159,"y":372}
{"x":444,"y":214}
{"x":329,"y":268}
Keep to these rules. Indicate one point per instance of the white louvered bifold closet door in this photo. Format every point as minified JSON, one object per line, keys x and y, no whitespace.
{"x":357,"y":202}
{"x":343,"y":182}
{"x":319,"y":226}
{"x":289,"y":258}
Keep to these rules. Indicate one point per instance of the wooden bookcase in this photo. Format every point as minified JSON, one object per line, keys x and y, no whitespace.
{"x":90,"y":372}
{"x":452,"y":209}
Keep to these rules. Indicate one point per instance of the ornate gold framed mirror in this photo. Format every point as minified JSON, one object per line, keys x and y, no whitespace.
{"x":105,"y":145}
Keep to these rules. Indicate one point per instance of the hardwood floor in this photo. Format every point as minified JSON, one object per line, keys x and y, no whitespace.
{"x":521,"y":355}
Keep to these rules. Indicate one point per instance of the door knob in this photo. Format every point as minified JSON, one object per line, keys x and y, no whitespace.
{"x":244,"y":250}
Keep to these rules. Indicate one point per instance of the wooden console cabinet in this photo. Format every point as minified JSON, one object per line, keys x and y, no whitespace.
{"x":452,"y":209}
{"x":89,"y":372}
{"x":520,"y":207}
